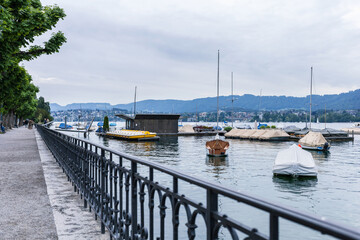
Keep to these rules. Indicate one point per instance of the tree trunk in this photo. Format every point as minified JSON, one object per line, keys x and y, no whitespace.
{"x":21,"y":120}
{"x":12,"y":120}
{"x":6,"y":119}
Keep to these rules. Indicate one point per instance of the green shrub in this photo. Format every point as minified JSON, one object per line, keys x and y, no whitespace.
{"x":227,"y":129}
{"x":106,"y":124}
{"x":262,"y":127}
{"x":273,"y":126}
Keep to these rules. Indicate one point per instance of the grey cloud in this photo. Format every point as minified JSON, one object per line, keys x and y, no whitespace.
{"x":168,"y":49}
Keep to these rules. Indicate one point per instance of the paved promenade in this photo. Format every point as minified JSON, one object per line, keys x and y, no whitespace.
{"x":36,"y":200}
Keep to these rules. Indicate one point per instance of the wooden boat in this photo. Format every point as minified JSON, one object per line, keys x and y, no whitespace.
{"x":217,"y":147}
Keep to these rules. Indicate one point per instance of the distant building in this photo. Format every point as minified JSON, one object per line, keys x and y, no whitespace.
{"x":159,"y":123}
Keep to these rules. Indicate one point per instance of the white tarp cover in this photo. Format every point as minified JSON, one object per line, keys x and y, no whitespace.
{"x":247,"y":133}
{"x":313,"y":139}
{"x":232,"y":132}
{"x":296,"y":162}
{"x":186,"y":129}
{"x":239,"y":132}
{"x":258,"y":133}
{"x":274,"y":134}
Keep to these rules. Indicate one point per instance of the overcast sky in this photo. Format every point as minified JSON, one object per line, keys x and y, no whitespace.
{"x":168,"y":49}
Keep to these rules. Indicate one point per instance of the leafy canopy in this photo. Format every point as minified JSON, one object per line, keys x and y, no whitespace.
{"x":21,"y":21}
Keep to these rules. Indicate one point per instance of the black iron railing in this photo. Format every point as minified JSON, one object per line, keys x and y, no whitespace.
{"x":112,"y":187}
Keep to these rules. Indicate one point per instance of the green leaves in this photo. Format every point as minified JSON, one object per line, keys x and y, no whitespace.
{"x":21,"y":21}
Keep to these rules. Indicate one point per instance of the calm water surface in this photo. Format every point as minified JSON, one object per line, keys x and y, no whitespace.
{"x":334,"y":195}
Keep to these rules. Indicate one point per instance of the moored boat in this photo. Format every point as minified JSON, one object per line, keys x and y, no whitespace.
{"x":64,"y":126}
{"x":296,"y":162}
{"x":132,"y":135}
{"x":217,"y":147}
{"x":314,"y":141}
{"x":275,"y":135}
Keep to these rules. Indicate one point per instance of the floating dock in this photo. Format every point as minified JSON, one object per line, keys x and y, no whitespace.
{"x":354,"y":130}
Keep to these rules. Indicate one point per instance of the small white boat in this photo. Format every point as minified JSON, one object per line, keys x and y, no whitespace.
{"x":295,"y":162}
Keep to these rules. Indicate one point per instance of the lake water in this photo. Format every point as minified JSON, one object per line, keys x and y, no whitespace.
{"x":334,"y":195}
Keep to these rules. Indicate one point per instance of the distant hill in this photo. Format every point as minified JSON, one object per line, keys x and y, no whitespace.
{"x":343,"y":101}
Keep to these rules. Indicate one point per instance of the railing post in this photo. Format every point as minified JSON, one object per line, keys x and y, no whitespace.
{"x":274,"y":227}
{"x":211,"y":207}
{"x":85,"y":171}
{"x":133,"y":200}
{"x":175,"y":218}
{"x":102,"y":179}
{"x":151,"y":205}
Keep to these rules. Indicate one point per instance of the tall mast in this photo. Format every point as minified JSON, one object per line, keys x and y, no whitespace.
{"x":232,"y":100}
{"x":311,"y":76}
{"x":135,"y":102}
{"x":217,"y":112}
{"x":260,"y":99}
{"x":197,"y":114}
{"x":325,"y":115}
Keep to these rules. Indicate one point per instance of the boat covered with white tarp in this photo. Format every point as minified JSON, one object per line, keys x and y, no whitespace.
{"x":247,"y":133}
{"x":295,"y":161}
{"x":258,"y":134}
{"x":314,"y":141}
{"x":233,"y":133}
{"x":275,"y":135}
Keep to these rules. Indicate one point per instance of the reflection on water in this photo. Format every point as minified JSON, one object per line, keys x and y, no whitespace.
{"x":320,"y":155}
{"x":105,"y":141}
{"x":217,"y":161}
{"x":295,"y":185}
{"x":218,"y":165}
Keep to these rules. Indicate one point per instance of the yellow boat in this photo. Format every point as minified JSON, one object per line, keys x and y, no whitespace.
{"x":133,"y":135}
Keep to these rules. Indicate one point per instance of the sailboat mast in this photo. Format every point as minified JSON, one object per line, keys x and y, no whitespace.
{"x":217,"y":109}
{"x":260,"y":99}
{"x":135,"y":102}
{"x":232,"y":100}
{"x":311,"y":76}
{"x":325,"y":115}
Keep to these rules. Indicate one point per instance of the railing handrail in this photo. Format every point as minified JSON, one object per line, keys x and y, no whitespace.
{"x":301,"y":218}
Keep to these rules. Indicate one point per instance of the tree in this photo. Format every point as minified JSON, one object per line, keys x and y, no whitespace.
{"x":106,"y":124}
{"x":42,"y":110}
{"x":21,"y":21}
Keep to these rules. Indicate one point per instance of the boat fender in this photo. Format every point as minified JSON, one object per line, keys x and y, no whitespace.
{"x":326,"y":145}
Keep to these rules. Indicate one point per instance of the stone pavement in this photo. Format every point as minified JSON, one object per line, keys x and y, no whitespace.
{"x":36,"y":200}
{"x":25,"y":210}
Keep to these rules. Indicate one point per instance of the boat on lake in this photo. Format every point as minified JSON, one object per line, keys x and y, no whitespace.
{"x":275,"y":135}
{"x":132,"y":135}
{"x":295,"y":162}
{"x":202,"y":128}
{"x":217,"y":147}
{"x":63,"y":126}
{"x":314,"y":141}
